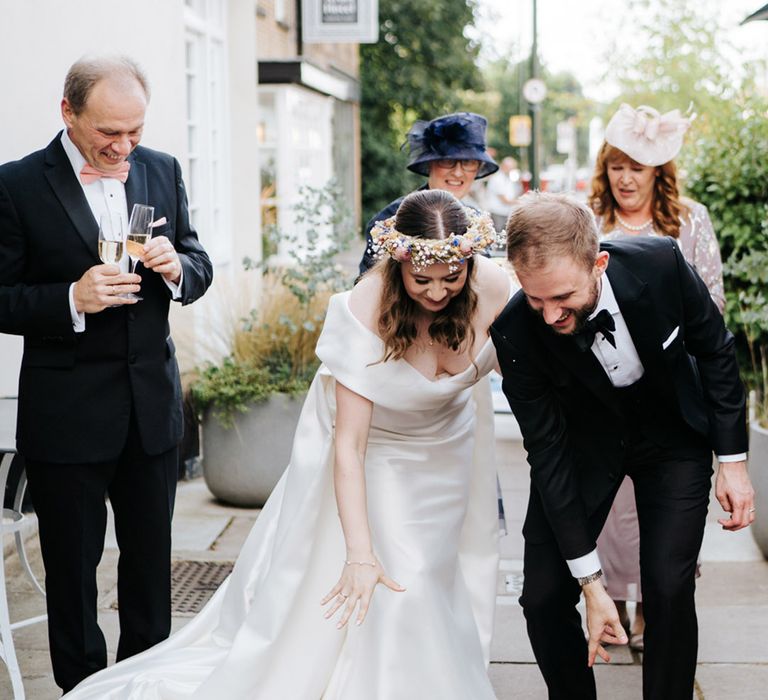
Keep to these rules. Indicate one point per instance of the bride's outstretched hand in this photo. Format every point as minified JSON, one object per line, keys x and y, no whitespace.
{"x":355,"y":589}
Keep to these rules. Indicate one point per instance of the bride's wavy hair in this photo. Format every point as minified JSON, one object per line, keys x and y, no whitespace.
{"x":434,"y":214}
{"x":667,"y":208}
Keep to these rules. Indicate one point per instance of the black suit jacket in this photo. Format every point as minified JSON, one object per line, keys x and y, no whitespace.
{"x":568,"y":410}
{"x":77,"y":391}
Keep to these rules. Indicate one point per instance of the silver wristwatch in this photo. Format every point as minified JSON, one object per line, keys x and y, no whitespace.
{"x":584,"y":580}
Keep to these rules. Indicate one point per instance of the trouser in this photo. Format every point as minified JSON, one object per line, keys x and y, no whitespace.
{"x":69,"y":500}
{"x":672,"y":497}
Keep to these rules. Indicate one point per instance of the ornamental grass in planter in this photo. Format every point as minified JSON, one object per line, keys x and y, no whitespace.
{"x":250,"y":401}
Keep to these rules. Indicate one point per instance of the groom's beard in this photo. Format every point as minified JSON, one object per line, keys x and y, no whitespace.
{"x":579,"y":314}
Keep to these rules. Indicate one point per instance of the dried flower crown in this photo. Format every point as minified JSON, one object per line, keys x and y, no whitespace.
{"x":453,"y":250}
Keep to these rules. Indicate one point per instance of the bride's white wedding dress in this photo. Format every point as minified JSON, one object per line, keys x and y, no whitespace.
{"x":431,"y":486}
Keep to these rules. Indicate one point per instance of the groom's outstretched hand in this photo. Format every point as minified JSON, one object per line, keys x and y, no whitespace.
{"x":603,"y":622}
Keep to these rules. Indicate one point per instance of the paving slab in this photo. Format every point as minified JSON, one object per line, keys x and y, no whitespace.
{"x":723,"y":545}
{"x":510,"y":641}
{"x":732,"y":681}
{"x":516,"y":681}
{"x":733,"y":634}
{"x":732,"y":583}
{"x":189,"y":532}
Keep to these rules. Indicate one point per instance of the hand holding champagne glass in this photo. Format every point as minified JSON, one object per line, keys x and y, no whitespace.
{"x":139,"y":231}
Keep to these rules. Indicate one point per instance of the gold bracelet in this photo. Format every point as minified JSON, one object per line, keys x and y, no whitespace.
{"x":360,"y":563}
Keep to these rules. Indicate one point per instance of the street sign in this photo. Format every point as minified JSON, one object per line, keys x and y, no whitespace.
{"x":520,"y":130}
{"x":340,"y":21}
{"x":534,"y":90}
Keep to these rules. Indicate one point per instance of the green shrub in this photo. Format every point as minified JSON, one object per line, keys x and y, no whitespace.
{"x":727,"y":170}
{"x":273,"y":348}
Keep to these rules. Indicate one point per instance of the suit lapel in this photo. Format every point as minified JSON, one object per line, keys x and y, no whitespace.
{"x":136,"y":191}
{"x":65,"y":186}
{"x":582,"y":364}
{"x":638,"y":312}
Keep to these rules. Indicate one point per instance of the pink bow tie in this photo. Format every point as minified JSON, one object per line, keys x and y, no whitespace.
{"x":90,"y":174}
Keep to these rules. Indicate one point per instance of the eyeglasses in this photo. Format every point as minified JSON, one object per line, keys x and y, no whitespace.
{"x":468,"y":166}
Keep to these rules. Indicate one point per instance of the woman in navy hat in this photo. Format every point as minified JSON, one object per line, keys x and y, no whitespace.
{"x":450,"y":152}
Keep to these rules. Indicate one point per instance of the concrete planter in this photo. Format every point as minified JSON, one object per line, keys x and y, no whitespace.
{"x":758,"y":472}
{"x":242,"y":463}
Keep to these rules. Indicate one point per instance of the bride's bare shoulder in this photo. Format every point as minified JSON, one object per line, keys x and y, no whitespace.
{"x":364,"y":300}
{"x":492,"y":283}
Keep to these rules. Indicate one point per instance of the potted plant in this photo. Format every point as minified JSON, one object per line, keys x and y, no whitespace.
{"x":250,"y":402}
{"x":728,"y":171}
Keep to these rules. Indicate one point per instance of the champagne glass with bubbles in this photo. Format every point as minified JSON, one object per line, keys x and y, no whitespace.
{"x":111,"y":238}
{"x":139,"y":231}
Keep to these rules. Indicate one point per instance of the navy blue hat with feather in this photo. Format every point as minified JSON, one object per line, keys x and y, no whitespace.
{"x":460,"y":135}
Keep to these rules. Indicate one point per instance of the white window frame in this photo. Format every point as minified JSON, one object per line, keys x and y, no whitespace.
{"x":208,"y":156}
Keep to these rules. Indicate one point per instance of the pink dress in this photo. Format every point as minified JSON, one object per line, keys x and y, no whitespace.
{"x":619,"y":543}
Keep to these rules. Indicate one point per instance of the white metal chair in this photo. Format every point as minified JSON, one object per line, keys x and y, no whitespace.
{"x":12,"y":521}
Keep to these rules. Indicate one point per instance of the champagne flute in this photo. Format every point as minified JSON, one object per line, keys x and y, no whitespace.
{"x":139,"y":231}
{"x":111,"y":238}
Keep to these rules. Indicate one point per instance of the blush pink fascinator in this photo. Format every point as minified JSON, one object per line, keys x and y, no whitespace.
{"x":646,"y":136}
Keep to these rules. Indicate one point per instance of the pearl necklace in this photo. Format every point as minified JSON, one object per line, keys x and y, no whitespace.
{"x":632,"y":227}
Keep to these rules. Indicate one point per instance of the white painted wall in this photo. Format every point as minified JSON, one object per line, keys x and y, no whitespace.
{"x":40,"y":39}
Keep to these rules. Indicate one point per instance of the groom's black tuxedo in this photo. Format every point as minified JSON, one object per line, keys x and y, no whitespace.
{"x":99,"y":411}
{"x":583,"y":435}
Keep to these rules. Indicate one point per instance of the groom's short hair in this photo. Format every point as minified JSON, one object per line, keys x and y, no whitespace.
{"x":544,"y":226}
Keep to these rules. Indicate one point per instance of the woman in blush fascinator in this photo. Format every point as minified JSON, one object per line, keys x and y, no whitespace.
{"x":635,"y":192}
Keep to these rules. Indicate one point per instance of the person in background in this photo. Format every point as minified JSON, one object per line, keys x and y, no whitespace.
{"x":502,"y":191}
{"x":99,"y":410}
{"x":635,"y":192}
{"x":450,"y":151}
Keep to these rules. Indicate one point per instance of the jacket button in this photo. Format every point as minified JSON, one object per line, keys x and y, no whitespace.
{"x":132,"y":360}
{"x":131,"y":315}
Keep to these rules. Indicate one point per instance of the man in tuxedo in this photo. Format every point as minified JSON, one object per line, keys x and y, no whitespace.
{"x":99,"y":394}
{"x":616,"y":361}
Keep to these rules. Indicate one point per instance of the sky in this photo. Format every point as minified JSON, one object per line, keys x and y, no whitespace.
{"x":575,"y":35}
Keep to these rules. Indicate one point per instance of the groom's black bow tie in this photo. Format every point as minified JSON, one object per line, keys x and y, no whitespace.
{"x":602,"y":323}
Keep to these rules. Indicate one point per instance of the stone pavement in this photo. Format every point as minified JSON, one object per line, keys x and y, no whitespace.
{"x":732,"y":599}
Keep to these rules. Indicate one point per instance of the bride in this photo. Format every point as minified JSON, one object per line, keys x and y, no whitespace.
{"x":386,"y":514}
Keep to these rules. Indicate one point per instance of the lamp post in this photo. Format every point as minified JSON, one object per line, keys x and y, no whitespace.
{"x":534,"y":91}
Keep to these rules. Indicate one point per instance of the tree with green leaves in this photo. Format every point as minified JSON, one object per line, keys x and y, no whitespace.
{"x":675,"y":58}
{"x":416,"y":70}
{"x":504,"y":79}
{"x":727,"y":169}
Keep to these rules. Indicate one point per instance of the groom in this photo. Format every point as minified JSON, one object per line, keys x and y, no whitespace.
{"x":616,"y":361}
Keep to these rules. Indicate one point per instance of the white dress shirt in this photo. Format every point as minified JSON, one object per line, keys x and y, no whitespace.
{"x":623,"y":367}
{"x":104,"y":196}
